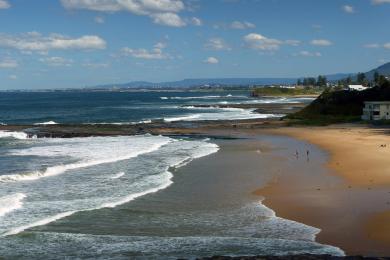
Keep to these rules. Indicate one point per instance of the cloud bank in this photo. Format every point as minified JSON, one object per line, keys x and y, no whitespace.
{"x":163,"y":12}
{"x":34,"y":41}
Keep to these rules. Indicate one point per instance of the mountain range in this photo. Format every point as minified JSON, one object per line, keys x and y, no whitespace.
{"x":383,"y":70}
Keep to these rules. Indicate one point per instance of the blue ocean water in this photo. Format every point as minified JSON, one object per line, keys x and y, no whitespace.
{"x":122,"y":107}
{"x":125,"y":197}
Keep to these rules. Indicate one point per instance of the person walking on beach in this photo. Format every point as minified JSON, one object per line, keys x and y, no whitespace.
{"x":307,"y":154}
{"x":296,"y":154}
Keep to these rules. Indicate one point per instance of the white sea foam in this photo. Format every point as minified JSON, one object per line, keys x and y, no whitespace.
{"x":41,"y":222}
{"x":10,"y":134}
{"x":86,"y":189}
{"x":90,"y":154}
{"x":47,"y":123}
{"x":146,"y":121}
{"x":113,"y":204}
{"x":230,"y":96}
{"x":282,"y":100}
{"x":182,"y":118}
{"x":165,"y":180}
{"x":10,"y":203}
{"x":221,"y":114}
{"x":118,"y":175}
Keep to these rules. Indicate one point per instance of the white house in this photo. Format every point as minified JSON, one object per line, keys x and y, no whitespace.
{"x":357,"y":87}
{"x":376,"y":110}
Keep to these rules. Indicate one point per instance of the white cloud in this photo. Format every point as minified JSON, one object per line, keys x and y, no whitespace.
{"x":160,"y":45}
{"x":308,"y":54}
{"x":4,"y":4}
{"x":8,"y":64}
{"x":260,"y":42}
{"x":13,"y":77}
{"x":377,"y":45}
{"x":99,"y":19}
{"x":211,"y":60}
{"x":196,"y":21}
{"x":217,"y":44}
{"x":162,"y":12}
{"x":372,"y":45}
{"x":95,"y":65}
{"x":379,"y":2}
{"x":242,"y":25}
{"x":293,"y":42}
{"x":168,"y":19}
{"x":348,"y":9}
{"x":321,"y":42}
{"x":57,"y":61}
{"x":34,"y":41}
{"x":156,"y":53}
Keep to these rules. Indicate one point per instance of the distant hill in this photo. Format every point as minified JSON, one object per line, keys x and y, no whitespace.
{"x":205,"y":81}
{"x":383,"y":70}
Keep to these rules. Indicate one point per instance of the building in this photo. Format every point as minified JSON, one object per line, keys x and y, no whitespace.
{"x":357,"y":87}
{"x":376,"y":110}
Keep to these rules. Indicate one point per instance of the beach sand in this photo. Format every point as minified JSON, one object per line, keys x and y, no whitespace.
{"x":354,"y":212}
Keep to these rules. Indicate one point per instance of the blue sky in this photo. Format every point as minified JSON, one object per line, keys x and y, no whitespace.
{"x":77,"y":43}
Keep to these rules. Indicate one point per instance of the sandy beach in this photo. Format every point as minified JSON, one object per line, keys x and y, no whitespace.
{"x":352,"y":212}
{"x":342,"y":187}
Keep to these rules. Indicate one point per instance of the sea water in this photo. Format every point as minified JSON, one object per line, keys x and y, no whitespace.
{"x":122,"y":197}
{"x":104,"y":197}
{"x":126,"y":107}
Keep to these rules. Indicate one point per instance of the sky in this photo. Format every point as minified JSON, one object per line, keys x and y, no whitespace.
{"x":79,"y":43}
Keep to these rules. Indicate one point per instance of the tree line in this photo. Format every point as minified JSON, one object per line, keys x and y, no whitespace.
{"x":362,"y":79}
{"x":320,"y":81}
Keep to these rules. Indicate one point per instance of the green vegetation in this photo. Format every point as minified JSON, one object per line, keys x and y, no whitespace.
{"x":321,"y":81}
{"x":377,"y":79}
{"x":277,"y":91}
{"x":339,"y":106}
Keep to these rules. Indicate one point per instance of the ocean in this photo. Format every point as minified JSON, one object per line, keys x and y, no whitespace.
{"x":124,"y":107}
{"x":144,"y":196}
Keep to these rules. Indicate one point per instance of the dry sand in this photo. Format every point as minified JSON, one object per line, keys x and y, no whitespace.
{"x":354,"y":214}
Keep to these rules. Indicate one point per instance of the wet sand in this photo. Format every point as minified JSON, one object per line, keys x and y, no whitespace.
{"x":348,"y":197}
{"x":208,"y":210}
{"x":353,"y":214}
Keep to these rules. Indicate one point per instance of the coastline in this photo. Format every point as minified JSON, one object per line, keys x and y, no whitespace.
{"x":350,"y":206}
{"x":353,"y":214}
{"x":208,"y":208}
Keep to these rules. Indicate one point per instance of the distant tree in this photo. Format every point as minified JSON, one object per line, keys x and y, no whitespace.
{"x":305,"y":82}
{"x":348,"y":81}
{"x":376,"y":77}
{"x":382,"y":80}
{"x":299,"y":82}
{"x":361,"y":78}
{"x":321,"y":81}
{"x":312,"y":82}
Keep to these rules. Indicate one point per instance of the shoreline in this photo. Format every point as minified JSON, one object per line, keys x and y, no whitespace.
{"x":207,"y":201}
{"x":354,"y":214}
{"x":352,"y":210}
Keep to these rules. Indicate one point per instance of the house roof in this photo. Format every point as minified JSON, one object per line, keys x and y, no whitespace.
{"x":357,"y":87}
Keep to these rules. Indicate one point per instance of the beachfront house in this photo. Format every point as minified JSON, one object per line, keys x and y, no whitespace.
{"x":356,"y":87}
{"x":376,"y":110}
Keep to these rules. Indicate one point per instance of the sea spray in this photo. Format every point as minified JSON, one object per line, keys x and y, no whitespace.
{"x":144,"y":163}
{"x":10,"y":203}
